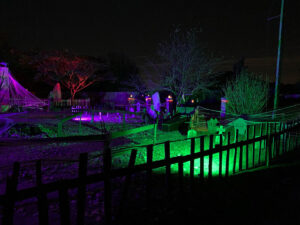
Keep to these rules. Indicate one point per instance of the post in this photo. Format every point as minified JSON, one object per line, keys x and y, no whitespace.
{"x":277,"y":81}
{"x":107,"y":182}
{"x":10,"y":193}
{"x":211,"y":138}
{"x":149,"y":174}
{"x":247,"y":148}
{"x":64,"y":205}
{"x":42,"y":197}
{"x":81,"y":194}
{"x":168,"y":166}
{"x":202,"y":158}
{"x":192,"y":162}
{"x":127,"y":180}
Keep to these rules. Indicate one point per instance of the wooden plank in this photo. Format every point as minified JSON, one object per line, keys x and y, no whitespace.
{"x":235,"y":150}
{"x":10,"y":195}
{"x":253,"y":149}
{"x":149,"y":174}
{"x":180,"y":174}
{"x":241,"y":157}
{"x":192,"y":162}
{"x":168,"y":166}
{"x":107,"y":161}
{"x":247,"y":148}
{"x":227,"y":162}
{"x":42,"y":197}
{"x":64,"y":205}
{"x":202,"y":158}
{"x":132,"y":131}
{"x":127,"y":180}
{"x":211,"y":138}
{"x":81,"y":194}
{"x":259,"y":152}
{"x":268,"y":142}
{"x":220,"y":157}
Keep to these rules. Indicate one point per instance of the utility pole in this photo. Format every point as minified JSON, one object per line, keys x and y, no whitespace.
{"x":277,"y":81}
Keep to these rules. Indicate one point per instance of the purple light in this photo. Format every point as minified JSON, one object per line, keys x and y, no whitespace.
{"x":107,"y":118}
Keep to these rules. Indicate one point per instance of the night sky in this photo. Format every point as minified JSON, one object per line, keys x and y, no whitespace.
{"x":231,"y":28}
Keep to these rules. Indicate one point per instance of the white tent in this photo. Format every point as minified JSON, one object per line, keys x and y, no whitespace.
{"x":12,"y":93}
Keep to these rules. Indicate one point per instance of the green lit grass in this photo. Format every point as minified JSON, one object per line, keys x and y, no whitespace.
{"x":182,"y":148}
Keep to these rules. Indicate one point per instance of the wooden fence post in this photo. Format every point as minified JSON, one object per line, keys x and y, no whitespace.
{"x":202,"y":158}
{"x":253,"y":149}
{"x":227,"y":162}
{"x":42,"y":196}
{"x":127,"y":180}
{"x":149,"y":174}
{"x":247,"y":148}
{"x":220,"y":157}
{"x":192,"y":163}
{"x":107,"y":182}
{"x":268,"y":145}
{"x":180,"y":174}
{"x":10,"y":194}
{"x":259,"y":151}
{"x":234,"y":154}
{"x":64,"y":205}
{"x":211,"y":138}
{"x":81,"y":193}
{"x":168,"y":166}
{"x":241,"y":156}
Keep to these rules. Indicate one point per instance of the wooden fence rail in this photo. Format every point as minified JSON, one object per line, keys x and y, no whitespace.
{"x":275,"y":141}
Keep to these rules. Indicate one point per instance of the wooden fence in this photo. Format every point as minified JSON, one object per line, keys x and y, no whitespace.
{"x":272,"y":142}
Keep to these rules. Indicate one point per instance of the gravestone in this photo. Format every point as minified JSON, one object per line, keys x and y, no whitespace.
{"x":192,"y":133}
{"x":138,"y":107}
{"x":56,"y":92}
{"x":240,"y":125}
{"x":156,"y":101}
{"x":220,"y":131}
{"x":212,"y":125}
{"x":198,"y":122}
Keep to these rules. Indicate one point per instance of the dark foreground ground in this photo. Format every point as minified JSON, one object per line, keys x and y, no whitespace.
{"x":264,"y":197}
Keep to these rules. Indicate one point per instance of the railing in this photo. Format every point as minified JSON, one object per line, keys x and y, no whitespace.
{"x":74,"y":102}
{"x":271,"y":140}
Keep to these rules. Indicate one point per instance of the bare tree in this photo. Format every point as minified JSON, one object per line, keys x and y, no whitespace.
{"x":189,"y":69}
{"x":247,"y":93}
{"x":75,"y":73}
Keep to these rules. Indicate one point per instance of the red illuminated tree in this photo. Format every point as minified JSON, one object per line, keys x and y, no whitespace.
{"x":75,"y":73}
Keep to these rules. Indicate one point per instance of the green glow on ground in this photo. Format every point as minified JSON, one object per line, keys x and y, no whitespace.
{"x":182,"y":148}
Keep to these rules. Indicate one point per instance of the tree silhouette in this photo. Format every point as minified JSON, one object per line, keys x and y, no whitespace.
{"x":73,"y":72}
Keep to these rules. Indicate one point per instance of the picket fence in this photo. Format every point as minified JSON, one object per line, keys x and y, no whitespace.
{"x":273,"y":140}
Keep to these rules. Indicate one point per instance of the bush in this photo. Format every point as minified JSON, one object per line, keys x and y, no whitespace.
{"x":246,"y":94}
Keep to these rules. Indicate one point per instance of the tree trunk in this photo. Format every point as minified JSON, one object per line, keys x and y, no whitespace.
{"x":72,"y":97}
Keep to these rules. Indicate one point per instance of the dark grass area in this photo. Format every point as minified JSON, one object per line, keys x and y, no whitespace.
{"x":264,"y":197}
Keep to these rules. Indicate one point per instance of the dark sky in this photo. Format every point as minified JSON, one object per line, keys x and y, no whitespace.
{"x":231,"y":28}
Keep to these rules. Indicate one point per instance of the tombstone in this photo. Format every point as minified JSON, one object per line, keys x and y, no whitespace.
{"x":212,"y":125}
{"x":56,"y":92}
{"x":138,"y":107}
{"x":156,"y":101}
{"x":192,"y":133}
{"x":198,"y":122}
{"x":239,"y":124}
{"x":220,"y":131}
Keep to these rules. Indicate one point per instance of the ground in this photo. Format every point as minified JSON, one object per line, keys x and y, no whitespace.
{"x":224,"y":202}
{"x":270,"y":196}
